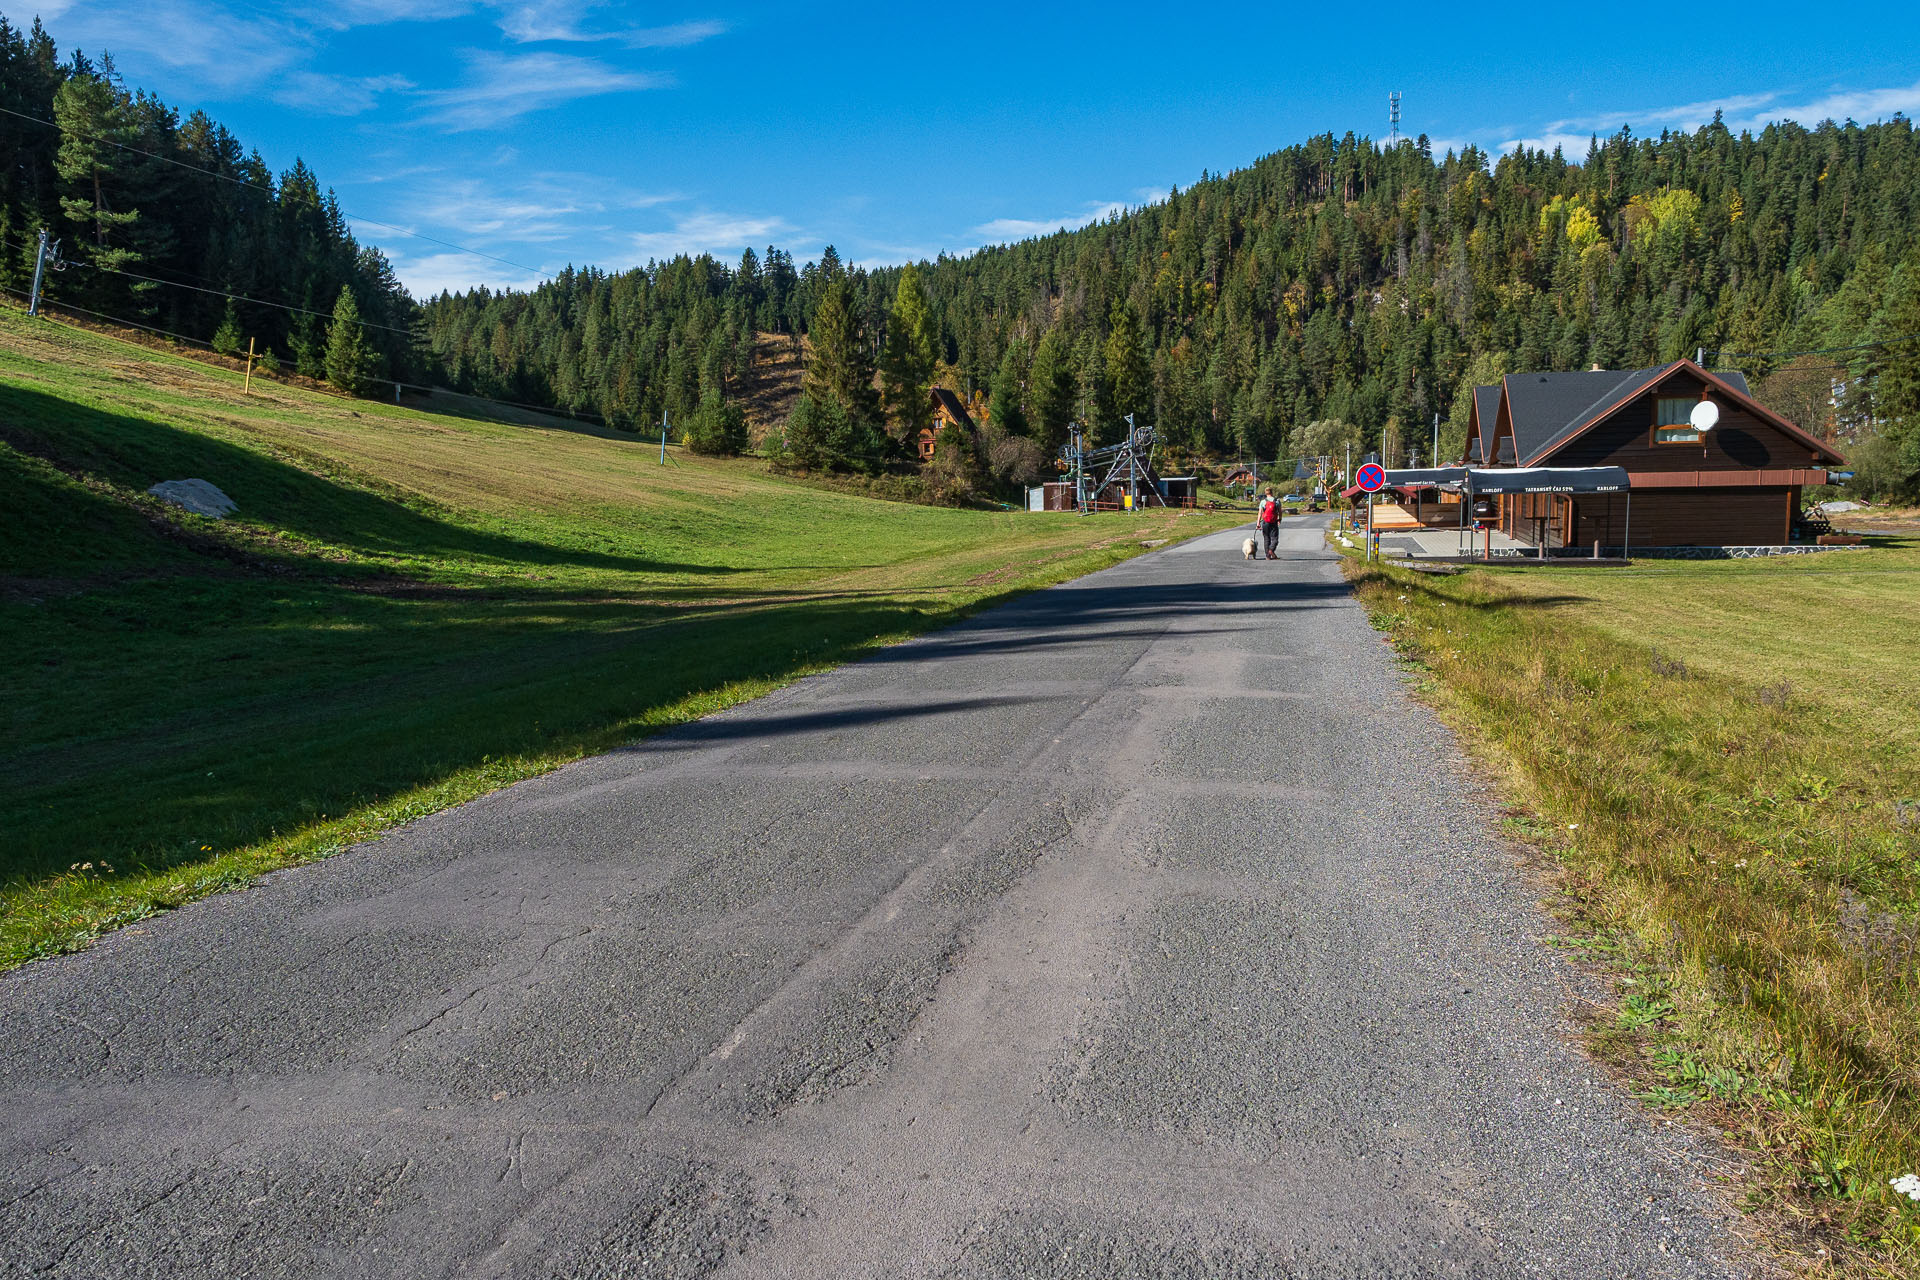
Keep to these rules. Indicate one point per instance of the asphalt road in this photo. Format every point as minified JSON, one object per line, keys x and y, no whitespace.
{"x":1141,"y":927}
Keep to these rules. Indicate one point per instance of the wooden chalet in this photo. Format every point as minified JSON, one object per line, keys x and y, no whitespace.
{"x":948,"y":411}
{"x":1737,"y":484}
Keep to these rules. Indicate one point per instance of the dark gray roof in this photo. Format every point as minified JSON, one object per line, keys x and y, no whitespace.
{"x":1549,"y":408}
{"x":955,"y":409}
{"x":1486,"y":407}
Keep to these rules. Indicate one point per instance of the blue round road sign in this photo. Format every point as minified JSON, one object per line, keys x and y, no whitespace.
{"x":1371,"y":477}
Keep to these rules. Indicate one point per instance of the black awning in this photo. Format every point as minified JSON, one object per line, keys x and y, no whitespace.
{"x":1424,"y":477}
{"x":1541,"y":480}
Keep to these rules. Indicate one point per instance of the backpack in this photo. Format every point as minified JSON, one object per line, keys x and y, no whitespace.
{"x":1268,"y":510}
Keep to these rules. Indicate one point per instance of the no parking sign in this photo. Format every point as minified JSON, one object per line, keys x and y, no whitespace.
{"x":1371,"y":477}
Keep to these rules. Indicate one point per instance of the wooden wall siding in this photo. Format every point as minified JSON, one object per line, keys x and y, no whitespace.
{"x":1741,"y":442}
{"x":1794,"y":477}
{"x":1716,"y":517}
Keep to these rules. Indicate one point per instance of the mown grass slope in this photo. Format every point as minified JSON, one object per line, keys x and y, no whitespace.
{"x":406,"y":610}
{"x":1724,"y":756}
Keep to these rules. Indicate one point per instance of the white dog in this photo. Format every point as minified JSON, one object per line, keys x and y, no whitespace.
{"x":1250,"y":548}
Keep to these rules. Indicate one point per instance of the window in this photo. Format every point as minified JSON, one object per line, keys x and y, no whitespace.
{"x":1671,"y":421}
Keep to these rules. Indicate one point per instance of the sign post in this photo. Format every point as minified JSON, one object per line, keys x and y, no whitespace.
{"x":1371,"y":477}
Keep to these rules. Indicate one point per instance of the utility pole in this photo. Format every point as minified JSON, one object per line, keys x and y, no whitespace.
{"x":1436,"y":438}
{"x":249,"y":387}
{"x":39,"y":272}
{"x":663,"y":437}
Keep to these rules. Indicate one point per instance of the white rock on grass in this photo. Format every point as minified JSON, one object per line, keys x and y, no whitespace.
{"x":196,"y":496}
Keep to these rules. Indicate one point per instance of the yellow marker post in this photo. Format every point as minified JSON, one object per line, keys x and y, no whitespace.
{"x":249,"y":366}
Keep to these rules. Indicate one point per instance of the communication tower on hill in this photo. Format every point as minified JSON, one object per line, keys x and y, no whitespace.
{"x":1393,"y":117}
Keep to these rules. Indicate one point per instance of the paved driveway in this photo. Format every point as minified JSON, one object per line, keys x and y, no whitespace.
{"x":1110,"y":933}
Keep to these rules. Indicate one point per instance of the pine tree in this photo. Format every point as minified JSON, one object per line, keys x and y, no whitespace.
{"x":906,"y":367}
{"x":717,"y":427}
{"x":1897,"y":395}
{"x":1053,"y":389}
{"x":226,"y":339}
{"x":841,"y":370}
{"x":1007,"y":410}
{"x":91,"y":116}
{"x":1127,"y":373}
{"x":351,"y":362}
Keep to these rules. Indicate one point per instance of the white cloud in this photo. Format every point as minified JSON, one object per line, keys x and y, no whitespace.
{"x":502,"y":88}
{"x":427,"y":274}
{"x":1002,"y":230}
{"x":536,"y":23}
{"x":174,"y":34}
{"x":334,"y":95}
{"x":343,"y":15}
{"x":721,"y":234}
{"x":1747,"y":111}
{"x":544,"y":208}
{"x":677,"y":36}
{"x":1863,"y":105}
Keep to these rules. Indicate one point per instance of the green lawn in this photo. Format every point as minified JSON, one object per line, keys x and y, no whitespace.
{"x":406,"y":610}
{"x":1725,"y":759}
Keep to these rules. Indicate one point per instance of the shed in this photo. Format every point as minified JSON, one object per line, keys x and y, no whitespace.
{"x":1179,"y":491}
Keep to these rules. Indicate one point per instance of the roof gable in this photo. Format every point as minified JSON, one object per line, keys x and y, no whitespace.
{"x":1545,"y":408}
{"x":1549,"y":393}
{"x":1486,"y":413}
{"x":945,"y":399}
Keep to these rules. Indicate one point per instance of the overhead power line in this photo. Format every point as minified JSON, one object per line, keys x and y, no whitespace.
{"x":258,"y":302}
{"x":551,"y":411}
{"x":254,"y":186}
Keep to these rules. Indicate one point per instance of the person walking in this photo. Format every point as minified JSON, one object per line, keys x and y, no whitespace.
{"x":1269,"y":522}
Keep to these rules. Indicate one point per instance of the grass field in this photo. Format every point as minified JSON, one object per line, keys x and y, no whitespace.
{"x":407,"y":609}
{"x":1723,"y":756}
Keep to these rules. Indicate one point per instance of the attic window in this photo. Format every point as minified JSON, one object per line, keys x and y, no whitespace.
{"x":1673,"y":422}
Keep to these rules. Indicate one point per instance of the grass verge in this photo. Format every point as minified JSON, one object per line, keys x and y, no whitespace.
{"x":1722,"y":759}
{"x":407,"y":610}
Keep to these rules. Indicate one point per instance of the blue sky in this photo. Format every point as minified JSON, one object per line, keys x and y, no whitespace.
{"x":604,"y":133}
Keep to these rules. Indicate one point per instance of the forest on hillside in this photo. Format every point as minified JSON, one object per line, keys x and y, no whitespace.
{"x":1336,"y":291}
{"x":171,"y":223}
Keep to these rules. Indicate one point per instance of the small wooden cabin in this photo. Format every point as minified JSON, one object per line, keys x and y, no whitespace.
{"x":1737,"y":484}
{"x":948,"y":411}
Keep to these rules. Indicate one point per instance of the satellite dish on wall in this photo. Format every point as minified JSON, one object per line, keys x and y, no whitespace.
{"x":1704,"y":415}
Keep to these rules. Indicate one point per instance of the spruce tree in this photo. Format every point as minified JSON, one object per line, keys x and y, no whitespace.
{"x":840,"y":371}
{"x":350,"y":361}
{"x":1897,"y":395}
{"x":1126,"y":368}
{"x":906,"y":367}
{"x":226,"y":339}
{"x":1007,"y":410}
{"x":1053,"y":389}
